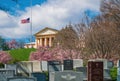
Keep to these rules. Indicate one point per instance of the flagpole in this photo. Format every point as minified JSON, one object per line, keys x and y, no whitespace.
{"x":31,"y":22}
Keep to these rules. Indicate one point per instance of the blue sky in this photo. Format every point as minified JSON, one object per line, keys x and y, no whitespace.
{"x":15,"y":5}
{"x":45,"y":13}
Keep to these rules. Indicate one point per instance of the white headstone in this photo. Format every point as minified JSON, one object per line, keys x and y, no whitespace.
{"x":11,"y":67}
{"x":31,"y":66}
{"x":62,"y":67}
{"x":118,"y":71}
{"x":36,"y":66}
{"x":107,"y":76}
{"x":77,"y":63}
{"x":44,"y":66}
{"x":118,"y":63}
{"x":27,"y":65}
{"x":118,"y":77}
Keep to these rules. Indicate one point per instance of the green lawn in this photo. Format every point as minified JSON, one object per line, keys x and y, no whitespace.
{"x":21,"y":54}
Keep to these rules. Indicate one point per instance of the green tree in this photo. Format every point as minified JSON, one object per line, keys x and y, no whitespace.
{"x":3,"y":45}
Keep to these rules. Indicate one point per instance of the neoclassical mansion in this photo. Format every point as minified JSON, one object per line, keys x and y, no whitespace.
{"x":43,"y":38}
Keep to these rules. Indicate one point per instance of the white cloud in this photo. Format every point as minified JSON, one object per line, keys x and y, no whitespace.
{"x":53,"y":13}
{"x":6,"y":20}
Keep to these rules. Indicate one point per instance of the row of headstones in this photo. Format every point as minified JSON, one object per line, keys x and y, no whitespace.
{"x":97,"y":70}
{"x":12,"y":72}
{"x":33,"y":68}
{"x":54,"y":66}
{"x":39,"y":66}
{"x":95,"y":73}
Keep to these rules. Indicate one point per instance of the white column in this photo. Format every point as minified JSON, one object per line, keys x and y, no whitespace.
{"x":45,"y":42}
{"x":40,"y":44}
{"x":50,"y":41}
{"x":36,"y":43}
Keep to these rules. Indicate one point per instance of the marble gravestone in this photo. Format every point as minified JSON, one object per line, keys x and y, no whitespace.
{"x":118,"y":63}
{"x":118,"y":67}
{"x":4,"y":74}
{"x":72,"y":64}
{"x":11,"y":67}
{"x":95,"y":70}
{"x":118,"y":77}
{"x":110,"y":64}
{"x":106,"y":63}
{"x":36,"y":66}
{"x":26,"y":65}
{"x":66,"y":76}
{"x":44,"y":66}
{"x":118,"y":70}
{"x":107,"y":76}
{"x":31,"y":66}
{"x":54,"y":66}
{"x":68,"y":64}
{"x":84,"y":71}
{"x":21,"y":79}
{"x":77,"y":63}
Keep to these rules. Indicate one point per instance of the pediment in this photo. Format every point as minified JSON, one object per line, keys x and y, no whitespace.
{"x":47,"y":31}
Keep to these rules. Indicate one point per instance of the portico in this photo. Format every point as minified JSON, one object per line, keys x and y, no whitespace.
{"x":44,"y":41}
{"x":45,"y":37}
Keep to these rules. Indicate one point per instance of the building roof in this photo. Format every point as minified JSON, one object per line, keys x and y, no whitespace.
{"x":29,"y":43}
{"x":46,"y":29}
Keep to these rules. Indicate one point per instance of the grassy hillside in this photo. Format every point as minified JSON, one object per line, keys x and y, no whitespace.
{"x":21,"y":54}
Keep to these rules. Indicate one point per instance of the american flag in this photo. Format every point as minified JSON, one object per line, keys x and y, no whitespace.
{"x":23,"y":21}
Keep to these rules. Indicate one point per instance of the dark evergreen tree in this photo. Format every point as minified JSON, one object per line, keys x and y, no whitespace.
{"x":3,"y":45}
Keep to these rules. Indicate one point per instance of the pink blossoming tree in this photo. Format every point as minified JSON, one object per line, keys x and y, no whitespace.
{"x":12,"y":44}
{"x":56,"y":53}
{"x":4,"y":57}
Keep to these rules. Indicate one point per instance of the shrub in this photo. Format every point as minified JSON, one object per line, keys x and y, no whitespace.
{"x":113,"y":73}
{"x":1,"y":65}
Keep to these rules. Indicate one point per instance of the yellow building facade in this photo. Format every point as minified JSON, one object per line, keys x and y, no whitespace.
{"x":44,"y":38}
